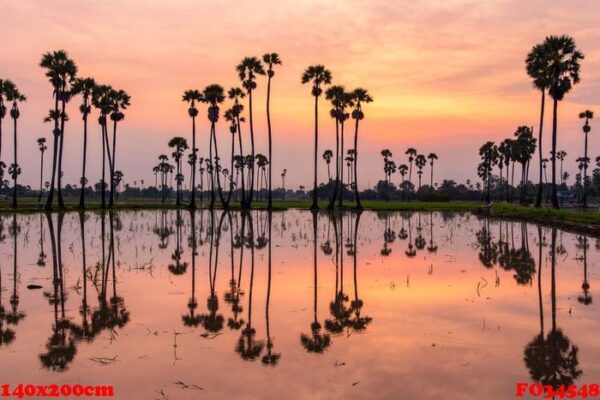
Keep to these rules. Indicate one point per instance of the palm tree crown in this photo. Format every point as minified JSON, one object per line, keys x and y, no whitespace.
{"x":319,"y":75}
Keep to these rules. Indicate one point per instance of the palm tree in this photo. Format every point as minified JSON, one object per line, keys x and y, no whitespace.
{"x":214,"y":95}
{"x":563,"y":64}
{"x":102,"y":101}
{"x":270,"y":59}
{"x":359,"y":97}
{"x":586,"y":115}
{"x":561,"y":155}
{"x":192,"y":96}
{"x":327,"y":155}
{"x":505,"y":152}
{"x":61,"y":71}
{"x":420,"y":162}
{"x":283,"y":174}
{"x":318,"y":75}
{"x":432,"y":157}
{"x":2,"y":115}
{"x":536,"y":67}
{"x":524,"y":148}
{"x":120,"y":101}
{"x":386,"y":154}
{"x":42,"y":147}
{"x":85,"y":87}
{"x":411,"y":153}
{"x":179,"y":144}
{"x":236,"y":94}
{"x":247,"y":70}
{"x":337,"y":96}
{"x":13,"y":95}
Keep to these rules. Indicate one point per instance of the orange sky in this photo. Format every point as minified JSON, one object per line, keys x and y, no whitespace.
{"x":446,"y":75}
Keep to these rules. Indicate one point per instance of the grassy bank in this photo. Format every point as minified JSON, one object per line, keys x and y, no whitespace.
{"x":587,"y":222}
{"x":32,"y":205}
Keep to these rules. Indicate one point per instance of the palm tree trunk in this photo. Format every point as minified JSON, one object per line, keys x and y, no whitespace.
{"x":61,"y":203}
{"x":585,"y":167}
{"x":358,"y":203}
{"x":555,"y":203}
{"x":431,"y":181}
{"x":239,"y":132}
{"x":270,"y":199}
{"x":231,"y":186}
{"x":211,"y":205}
{"x":538,"y":200}
{"x":337,"y":166}
{"x":15,"y":166}
{"x":50,"y":198}
{"x":341,"y":165}
{"x":251,"y":167}
{"x":315,"y":204}
{"x":103,"y":180}
{"x":82,"y":192}
{"x":194,"y":152}
{"x":112,"y":166}
{"x":223,"y":202}
{"x":41,"y":175}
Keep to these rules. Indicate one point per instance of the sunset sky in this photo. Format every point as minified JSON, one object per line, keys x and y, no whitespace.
{"x":446,"y":75}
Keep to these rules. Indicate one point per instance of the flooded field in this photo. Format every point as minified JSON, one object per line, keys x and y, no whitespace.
{"x":180,"y":305}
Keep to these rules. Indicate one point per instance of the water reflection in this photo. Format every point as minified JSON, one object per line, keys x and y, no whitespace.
{"x":283,"y":288}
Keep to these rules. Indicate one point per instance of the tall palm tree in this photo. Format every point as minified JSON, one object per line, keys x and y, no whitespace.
{"x":585,"y":115}
{"x":563,"y":65}
{"x":247,"y":70}
{"x":61,"y":71}
{"x":432,"y":157}
{"x":236,"y":161}
{"x":318,"y":76}
{"x":236,"y":94}
{"x":13,"y":95}
{"x":179,"y":144}
{"x":120,"y":101}
{"x":101,"y":100}
{"x":336,"y":94}
{"x":386,"y":154}
{"x":411,"y":153}
{"x":2,"y":115}
{"x":360,"y":96}
{"x":420,"y":162}
{"x":84,"y":87}
{"x":192,"y":96}
{"x":402,"y":169}
{"x":42,"y":147}
{"x":270,"y":59}
{"x":525,"y":145}
{"x":536,"y":67}
{"x":214,"y":95}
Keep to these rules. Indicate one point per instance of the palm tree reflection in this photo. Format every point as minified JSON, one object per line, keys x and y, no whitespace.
{"x":552,"y":359}
{"x":247,"y":346}
{"x":582,"y":244}
{"x":315,"y":342}
{"x":212,"y":321}
{"x":192,"y":319}
{"x":60,"y":346}
{"x":178,"y":267}
{"x":270,"y":358}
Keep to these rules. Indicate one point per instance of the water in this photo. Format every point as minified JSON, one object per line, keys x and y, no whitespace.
{"x":385,"y":305}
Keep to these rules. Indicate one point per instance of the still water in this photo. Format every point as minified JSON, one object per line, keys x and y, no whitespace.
{"x":174,"y":305}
